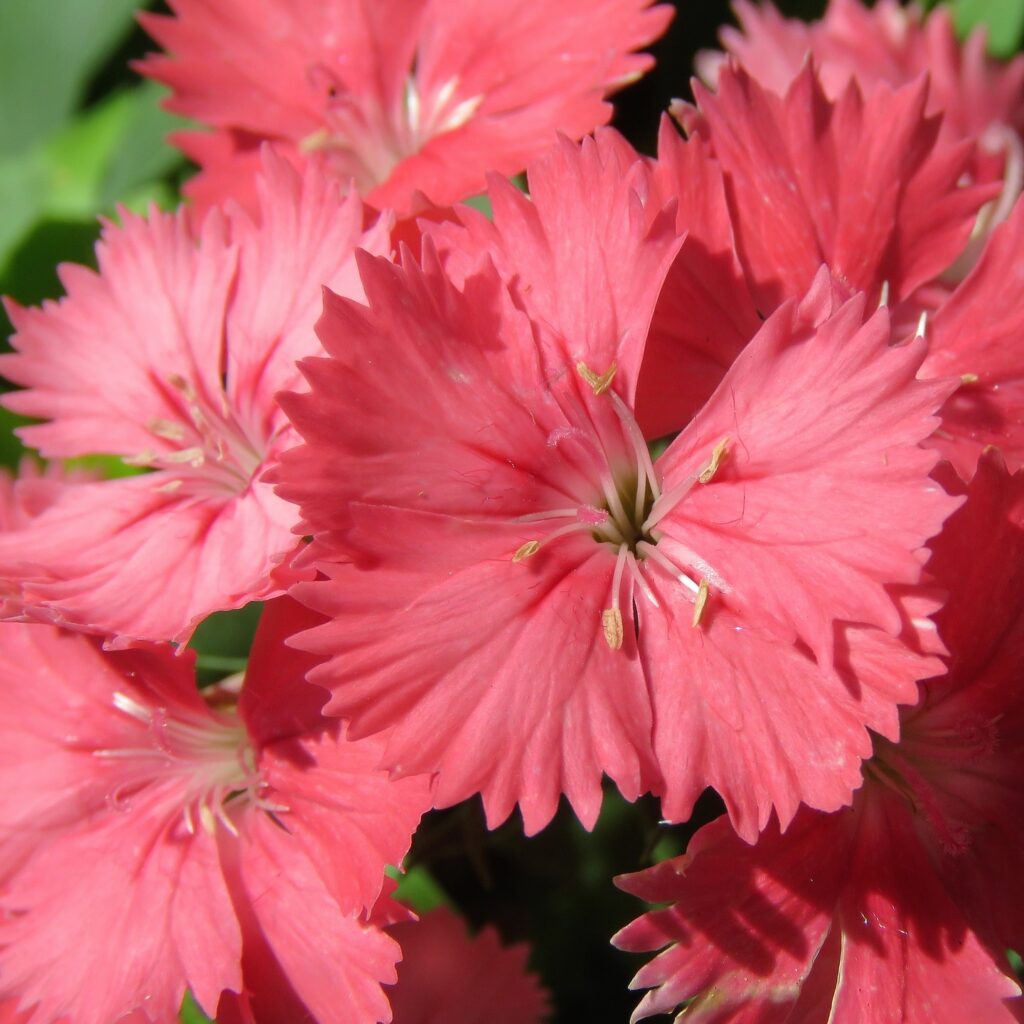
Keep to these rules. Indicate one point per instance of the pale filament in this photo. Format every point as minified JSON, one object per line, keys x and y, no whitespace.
{"x":212,"y":451}
{"x":207,"y":758}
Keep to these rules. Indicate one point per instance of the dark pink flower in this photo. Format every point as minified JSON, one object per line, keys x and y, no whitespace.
{"x":170,"y":357}
{"x":863,"y":184}
{"x":448,"y":977}
{"x":900,"y":907}
{"x":154,"y":839}
{"x":402,"y":96}
{"x":891,"y":45}
{"x":524,"y":599}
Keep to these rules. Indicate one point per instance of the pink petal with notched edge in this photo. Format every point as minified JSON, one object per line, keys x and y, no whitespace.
{"x":335,"y":963}
{"x":404,"y":97}
{"x":803,"y":172}
{"x":201,"y":332}
{"x":819,"y":409}
{"x":759,"y":720}
{"x":447,"y":976}
{"x":531,"y":706}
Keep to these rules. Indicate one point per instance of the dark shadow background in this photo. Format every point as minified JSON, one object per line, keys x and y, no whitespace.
{"x":695,"y":27}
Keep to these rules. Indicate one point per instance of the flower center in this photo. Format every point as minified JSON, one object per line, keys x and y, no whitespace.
{"x":204,"y":449}
{"x":201,"y":757}
{"x":625,"y":519}
{"x":368,"y":141}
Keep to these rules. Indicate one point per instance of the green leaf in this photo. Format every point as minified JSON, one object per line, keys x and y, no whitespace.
{"x":418,"y":889}
{"x":48,"y":51}
{"x":1004,"y":20}
{"x":190,"y":1012}
{"x":77,"y":157}
{"x":143,"y":154}
{"x":222,"y":642}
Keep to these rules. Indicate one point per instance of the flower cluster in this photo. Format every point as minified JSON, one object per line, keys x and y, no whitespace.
{"x":692,"y":470}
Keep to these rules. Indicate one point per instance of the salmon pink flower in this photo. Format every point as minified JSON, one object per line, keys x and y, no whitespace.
{"x":525,"y":599}
{"x":170,"y":357}
{"x":905,"y":903}
{"x":402,"y":96}
{"x":445,"y":975}
{"x":154,"y":839}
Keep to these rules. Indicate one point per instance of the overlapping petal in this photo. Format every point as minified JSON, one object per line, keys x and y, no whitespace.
{"x":861,"y":183}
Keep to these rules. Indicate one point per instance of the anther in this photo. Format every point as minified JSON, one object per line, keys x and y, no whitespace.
{"x":599,"y":383}
{"x":611,"y":620}
{"x":700,"y":603}
{"x":968,"y":378}
{"x":922,"y":324}
{"x":531,"y":547}
{"x":167,"y":429}
{"x":719,"y":452}
{"x":883,"y":299}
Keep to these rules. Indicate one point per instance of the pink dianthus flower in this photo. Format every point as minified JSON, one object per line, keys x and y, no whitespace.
{"x":402,"y":96}
{"x":170,"y":357}
{"x":153,"y":838}
{"x":524,"y":598}
{"x":902,"y":906}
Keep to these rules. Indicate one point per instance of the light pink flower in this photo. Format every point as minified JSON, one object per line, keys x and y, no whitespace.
{"x":170,"y":357}
{"x":902,"y":906}
{"x":448,"y":977}
{"x":402,"y":96}
{"x":526,"y":600}
{"x":152,"y":840}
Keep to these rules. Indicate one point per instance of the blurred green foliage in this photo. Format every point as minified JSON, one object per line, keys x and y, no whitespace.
{"x":1004,"y":20}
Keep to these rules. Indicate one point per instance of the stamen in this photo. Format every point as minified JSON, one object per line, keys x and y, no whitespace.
{"x":883,"y":299}
{"x":209,"y":822}
{"x":531,"y":547}
{"x":611,"y":621}
{"x":700,"y":603}
{"x":599,"y":384}
{"x":652,"y":552}
{"x":638,"y":578}
{"x":167,"y":429}
{"x":711,"y":467}
{"x":645,"y":466}
{"x":132,"y":707}
{"x":922,"y":324}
